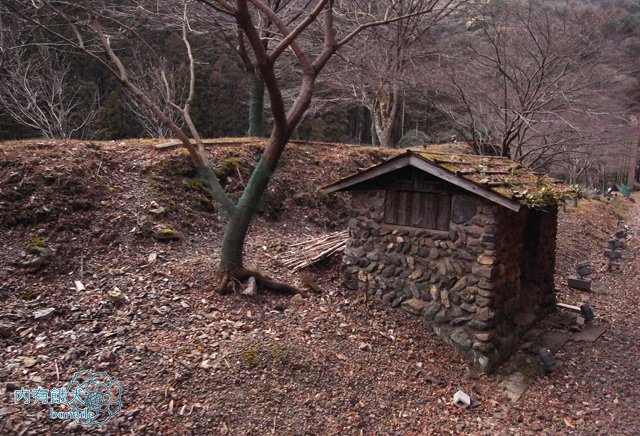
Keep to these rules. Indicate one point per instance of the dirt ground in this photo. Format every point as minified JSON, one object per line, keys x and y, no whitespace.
{"x":190,"y":361}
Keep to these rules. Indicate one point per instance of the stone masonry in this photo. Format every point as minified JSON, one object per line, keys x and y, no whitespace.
{"x":478,"y":286}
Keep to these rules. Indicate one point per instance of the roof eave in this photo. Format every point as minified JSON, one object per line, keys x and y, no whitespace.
{"x":428,"y":167}
{"x":416,"y":161}
{"x":393,"y":164}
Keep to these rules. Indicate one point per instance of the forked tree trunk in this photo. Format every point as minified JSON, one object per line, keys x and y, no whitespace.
{"x":386,"y":115}
{"x":231,"y":253}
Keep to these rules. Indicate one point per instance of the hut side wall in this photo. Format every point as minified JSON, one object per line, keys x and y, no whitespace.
{"x":464,"y":283}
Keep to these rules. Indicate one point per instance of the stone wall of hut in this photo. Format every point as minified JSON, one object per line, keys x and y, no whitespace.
{"x":466,"y":283}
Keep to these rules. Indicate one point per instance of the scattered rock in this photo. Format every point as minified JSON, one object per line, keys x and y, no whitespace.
{"x":514,"y":386}
{"x":413,"y":306}
{"x":364,"y":346}
{"x":43,"y":314}
{"x":28,"y":362}
{"x":156,"y":209}
{"x":116,"y":294}
{"x":251,"y":289}
{"x":461,"y":400}
{"x":6,"y":329}
{"x":297,"y":299}
{"x":166,"y":234}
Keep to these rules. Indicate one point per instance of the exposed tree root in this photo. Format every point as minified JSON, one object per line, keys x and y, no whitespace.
{"x":224,"y":286}
{"x":242,"y":274}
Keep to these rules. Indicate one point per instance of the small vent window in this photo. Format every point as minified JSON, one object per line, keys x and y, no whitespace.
{"x":427,"y":210}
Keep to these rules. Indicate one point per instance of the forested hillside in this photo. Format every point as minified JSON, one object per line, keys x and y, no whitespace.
{"x":535,"y":80}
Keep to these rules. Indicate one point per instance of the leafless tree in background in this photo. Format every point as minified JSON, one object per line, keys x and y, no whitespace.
{"x":526,"y":80}
{"x":375,"y":68}
{"x":149,"y":77}
{"x":38,"y":90}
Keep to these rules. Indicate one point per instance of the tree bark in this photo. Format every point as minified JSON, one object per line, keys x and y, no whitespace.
{"x":256,"y":105}
{"x":386,"y":115}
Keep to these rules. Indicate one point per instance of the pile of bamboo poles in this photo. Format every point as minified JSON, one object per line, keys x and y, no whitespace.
{"x":302,"y":254}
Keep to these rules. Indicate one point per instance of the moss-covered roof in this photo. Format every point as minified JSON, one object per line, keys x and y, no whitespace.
{"x":499,"y":179}
{"x":505,"y":177}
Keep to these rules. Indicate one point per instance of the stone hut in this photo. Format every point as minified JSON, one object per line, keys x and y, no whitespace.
{"x":465,"y":242}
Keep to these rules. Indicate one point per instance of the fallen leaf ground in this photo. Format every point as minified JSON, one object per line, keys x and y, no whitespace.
{"x":192,"y":362}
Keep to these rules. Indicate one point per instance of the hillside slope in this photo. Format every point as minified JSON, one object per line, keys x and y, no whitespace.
{"x":191,"y":361}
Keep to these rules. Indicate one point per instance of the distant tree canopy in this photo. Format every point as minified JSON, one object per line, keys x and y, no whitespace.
{"x":375,"y":93}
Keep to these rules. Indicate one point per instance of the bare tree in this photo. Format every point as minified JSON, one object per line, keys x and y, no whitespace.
{"x":95,"y":30}
{"x":38,"y":90}
{"x":377,"y":66}
{"x":154,"y":77}
{"x":525,"y":79}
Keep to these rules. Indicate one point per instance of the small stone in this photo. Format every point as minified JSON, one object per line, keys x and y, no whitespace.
{"x":28,"y":362}
{"x":486,"y":285}
{"x":44,"y":313}
{"x":484,"y":271}
{"x":460,"y":285}
{"x":483,"y":347}
{"x":444,"y":297}
{"x":460,"y":337}
{"x":388,"y":297}
{"x":476,"y":324}
{"x":485,"y":337}
{"x":413,"y":306}
{"x":579,"y":283}
{"x":453,"y":235}
{"x":364,"y":346}
{"x":612,"y":254}
{"x":374,"y":255}
{"x":468,"y":307}
{"x":482,"y":301}
{"x":166,"y":234}
{"x":442,"y":317}
{"x":415,"y":275}
{"x":460,"y":320}
{"x":430,"y":310}
{"x":11,"y":386}
{"x":485,"y":314}
{"x":435,"y":294}
{"x":485,"y":260}
{"x":105,"y":356}
{"x":251,"y":289}
{"x":6,"y":329}
{"x":485,"y":293}
{"x":116,"y":294}
{"x":297,"y":299}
